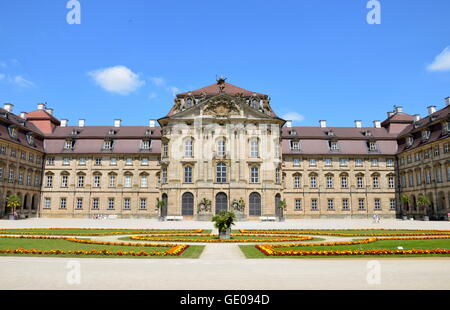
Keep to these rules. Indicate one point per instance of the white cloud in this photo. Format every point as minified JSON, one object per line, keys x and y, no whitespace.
{"x":161,"y":82}
{"x":293,"y":116}
{"x":441,"y":62}
{"x":21,"y":81}
{"x":152,"y":96}
{"x":119,"y":80}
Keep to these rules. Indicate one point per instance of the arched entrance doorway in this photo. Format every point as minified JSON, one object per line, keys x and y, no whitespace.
{"x":187,"y":204}
{"x":165,"y":207}
{"x":278,"y":209}
{"x":221,"y":202}
{"x":255,"y":204}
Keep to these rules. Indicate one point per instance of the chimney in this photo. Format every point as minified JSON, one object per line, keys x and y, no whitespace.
{"x":431,"y":109}
{"x":288,"y":124}
{"x":447,"y":101}
{"x":417,"y":117}
{"x":358,"y":124}
{"x":377,"y":124}
{"x":41,"y":106}
{"x":323,"y":124}
{"x":117,"y":123}
{"x":64,"y":122}
{"x":23,"y":115}
{"x":390,"y":114}
{"x":81,"y":122}
{"x":8,"y":107}
{"x":152,"y":123}
{"x":398,"y":109}
{"x":49,"y":111}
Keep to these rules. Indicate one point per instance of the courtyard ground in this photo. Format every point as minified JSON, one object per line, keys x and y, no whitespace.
{"x":223,"y":266}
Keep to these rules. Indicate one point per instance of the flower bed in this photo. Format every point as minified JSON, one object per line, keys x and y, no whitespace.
{"x":326,"y":232}
{"x":85,"y":231}
{"x":210,"y":238}
{"x":174,"y":249}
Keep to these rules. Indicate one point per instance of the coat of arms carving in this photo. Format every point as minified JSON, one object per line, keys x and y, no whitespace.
{"x":221,"y":108}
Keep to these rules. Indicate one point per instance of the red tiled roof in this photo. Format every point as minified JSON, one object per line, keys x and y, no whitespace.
{"x":339,"y":133}
{"x":40,"y":115}
{"x":213,"y":90}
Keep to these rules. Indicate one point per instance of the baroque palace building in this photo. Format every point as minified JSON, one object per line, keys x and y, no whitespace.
{"x":222,"y":144}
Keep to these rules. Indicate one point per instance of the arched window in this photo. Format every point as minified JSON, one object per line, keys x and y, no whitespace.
{"x":255,"y":204}
{"x":221,"y":203}
{"x":221,"y":172}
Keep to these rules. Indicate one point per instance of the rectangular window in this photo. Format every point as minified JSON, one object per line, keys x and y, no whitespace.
{"x":29,"y":179}
{"x":98,"y":161}
{"x":20,"y":178}
{"x":144,"y":161}
{"x":143,"y":204}
{"x":314,"y":206}
{"x":165,"y":150}
{"x":188,"y":149}
{"x":79,"y":203}
{"x":95,"y":204}
{"x":361,"y":204}
{"x":63,"y":203}
{"x":129,"y":161}
{"x":360,"y":182}
{"x":112,"y":181}
{"x":188,"y":174}
{"x":377,"y":205}
{"x":47,"y":203}
{"x":97,"y":180}
{"x":164,"y":175}
{"x":254,"y":151}
{"x":343,"y":162}
{"x":111,"y":204}
{"x":329,"y":182}
{"x":393,"y":204}
{"x":113,"y":161}
{"x":328,"y":162}
{"x":374,"y":162}
{"x":82,"y":161}
{"x":254,"y":174}
{"x":297,"y":182}
{"x":344,"y":182}
{"x":51,"y":161}
{"x":127,"y":204}
{"x":66,"y":161}
{"x":80,"y":181}
{"x":145,"y":144}
{"x":49,"y":181}
{"x":376,"y":182}
{"x":128,"y":181}
{"x":330,"y":205}
{"x":144,"y":181}
{"x":278,"y":176}
{"x":296,"y":162}
{"x":312,"y":163}
{"x":298,"y":205}
{"x":313,"y":181}
{"x":345,"y":204}
{"x":64,"y":181}
{"x":359,"y":163}
{"x":390,"y":162}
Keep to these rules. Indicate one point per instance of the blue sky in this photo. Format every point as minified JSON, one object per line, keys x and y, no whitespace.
{"x":320,"y":59}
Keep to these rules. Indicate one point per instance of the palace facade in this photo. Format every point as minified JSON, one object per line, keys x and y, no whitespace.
{"x":219,"y":148}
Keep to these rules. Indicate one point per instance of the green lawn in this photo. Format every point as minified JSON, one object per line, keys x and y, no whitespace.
{"x":52,"y":244}
{"x":237,"y":238}
{"x":90,"y":232}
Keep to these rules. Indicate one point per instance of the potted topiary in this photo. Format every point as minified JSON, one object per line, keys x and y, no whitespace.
{"x":160,"y":203}
{"x":239,"y":206}
{"x":13,"y":202}
{"x":282,"y":205}
{"x":223,"y":223}
{"x":204,"y":210}
{"x":406,"y":201}
{"x":423,"y":202}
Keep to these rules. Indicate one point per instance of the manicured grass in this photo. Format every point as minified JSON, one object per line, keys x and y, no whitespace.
{"x":346,"y":232}
{"x":90,"y":232}
{"x":65,"y":245}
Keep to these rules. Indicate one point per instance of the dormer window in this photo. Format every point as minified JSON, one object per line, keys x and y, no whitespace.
{"x":12,"y":130}
{"x":292,"y":133}
{"x":149,"y":133}
{"x":30,"y":139}
{"x":145,"y":145}
{"x":107,"y":145}
{"x":112,"y":132}
{"x":445,"y":128}
{"x":409,"y":141}
{"x":426,"y":134}
{"x":69,"y":144}
{"x":372,"y":146}
{"x":255,"y":104}
{"x":75,"y":132}
{"x":295,"y":145}
{"x":333,"y":146}
{"x":330,"y":133}
{"x":367,"y":133}
{"x":189,"y":103}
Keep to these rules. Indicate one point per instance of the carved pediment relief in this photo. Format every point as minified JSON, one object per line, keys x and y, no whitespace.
{"x":221,"y":107}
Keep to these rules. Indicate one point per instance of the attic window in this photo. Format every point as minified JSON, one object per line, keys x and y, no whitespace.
{"x":107,"y":145}
{"x":75,"y":132}
{"x":445,"y":128}
{"x":149,"y":133}
{"x":333,"y":145}
{"x":426,"y":134}
{"x":409,"y":141}
{"x":254,"y":104}
{"x":433,"y":118}
{"x":372,"y":146}
{"x":4,"y":114}
{"x":112,"y":132}
{"x":189,"y":103}
{"x":145,"y":144}
{"x":329,"y":133}
{"x":30,"y":139}
{"x":292,"y":133}
{"x":69,"y":144}
{"x":367,"y":133}
{"x":12,"y":130}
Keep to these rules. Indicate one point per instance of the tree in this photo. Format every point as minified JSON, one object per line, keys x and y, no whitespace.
{"x":282,"y":204}
{"x":238,"y":205}
{"x":224,"y":220}
{"x":406,"y":200}
{"x":160,"y":203}
{"x":13,"y":202}
{"x":423,"y":202}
